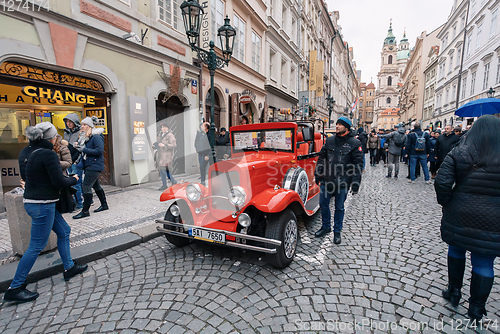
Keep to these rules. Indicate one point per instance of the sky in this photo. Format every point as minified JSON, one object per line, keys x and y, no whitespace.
{"x":365,"y":23}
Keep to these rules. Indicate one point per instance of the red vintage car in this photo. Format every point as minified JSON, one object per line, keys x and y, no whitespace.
{"x":253,"y":198}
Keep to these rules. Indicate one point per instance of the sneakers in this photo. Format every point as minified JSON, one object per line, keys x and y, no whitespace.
{"x":162,"y":188}
{"x":322,"y":232}
{"x":410,"y":181}
{"x":73,"y":271}
{"x":21,"y":295}
{"x":428,"y":182}
{"x":388,"y":176}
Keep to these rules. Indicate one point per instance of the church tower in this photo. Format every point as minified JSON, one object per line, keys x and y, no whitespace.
{"x":403,"y":53}
{"x":390,"y":74}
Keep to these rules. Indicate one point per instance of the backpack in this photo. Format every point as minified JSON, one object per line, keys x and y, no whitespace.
{"x":420,"y":143}
{"x":399,"y":139}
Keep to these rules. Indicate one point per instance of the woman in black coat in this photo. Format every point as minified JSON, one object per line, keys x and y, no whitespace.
{"x":41,"y":170}
{"x":468,"y":187}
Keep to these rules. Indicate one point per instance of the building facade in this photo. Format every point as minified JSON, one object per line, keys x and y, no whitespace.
{"x":388,"y":118}
{"x":366,"y":105}
{"x":430,"y":74}
{"x":466,"y":70}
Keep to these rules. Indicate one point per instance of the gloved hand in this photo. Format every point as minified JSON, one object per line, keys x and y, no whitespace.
{"x":77,"y":147}
{"x":355,"y":188}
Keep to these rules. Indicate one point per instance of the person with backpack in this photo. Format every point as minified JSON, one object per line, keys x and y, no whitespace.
{"x":396,"y":140}
{"x":418,"y":148}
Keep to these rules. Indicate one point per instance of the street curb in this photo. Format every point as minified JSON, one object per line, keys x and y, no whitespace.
{"x":50,"y":264}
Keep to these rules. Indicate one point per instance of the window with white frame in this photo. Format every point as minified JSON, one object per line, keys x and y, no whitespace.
{"x":498,"y":70}
{"x":239,"y":39}
{"x":271,"y":7}
{"x":486,"y":76}
{"x":294,"y":29}
{"x":472,"y":7}
{"x":464,"y":87}
{"x":284,"y":73}
{"x":217,"y":10}
{"x":478,"y":36}
{"x":272,"y":59}
{"x":454,"y":93}
{"x":462,"y":21}
{"x":446,"y":96}
{"x":454,"y":31}
{"x":293,"y":80}
{"x":451,"y":63}
{"x":284,"y":16}
{"x":472,"y":82}
{"x":169,"y":11}
{"x":256,"y":47}
{"x":494,"y":22}
{"x":459,"y":55}
{"x":469,"y":43}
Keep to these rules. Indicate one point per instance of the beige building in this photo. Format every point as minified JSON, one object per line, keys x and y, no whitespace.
{"x":430,"y":74}
{"x":366,"y":105}
{"x":413,"y":78}
{"x":388,"y":118}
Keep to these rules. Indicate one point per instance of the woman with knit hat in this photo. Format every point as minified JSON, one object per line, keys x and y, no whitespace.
{"x":91,"y":144}
{"x":41,"y":170}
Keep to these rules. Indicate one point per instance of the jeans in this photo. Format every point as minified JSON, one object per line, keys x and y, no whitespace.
{"x":422,"y":159}
{"x":45,"y":218}
{"x":164,"y":173}
{"x":91,"y":180}
{"x":481,"y":264}
{"x":373,"y":156}
{"x":203,"y":165}
{"x":78,"y":171}
{"x":364,"y":161}
{"x":324,"y":203}
{"x":382,"y":155}
{"x":393,"y":160}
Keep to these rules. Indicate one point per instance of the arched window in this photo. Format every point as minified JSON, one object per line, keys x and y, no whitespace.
{"x":389,"y":81}
{"x":388,"y":100}
{"x":390,"y":60}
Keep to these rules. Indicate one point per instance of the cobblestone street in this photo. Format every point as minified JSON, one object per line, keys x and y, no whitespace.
{"x":386,"y":276}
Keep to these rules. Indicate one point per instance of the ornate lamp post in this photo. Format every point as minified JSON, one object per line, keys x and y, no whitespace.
{"x":330,"y":102}
{"x":191,"y":15}
{"x":490,"y":93}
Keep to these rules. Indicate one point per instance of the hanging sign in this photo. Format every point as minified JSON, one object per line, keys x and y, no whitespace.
{"x":245,"y":99}
{"x":100,"y":113}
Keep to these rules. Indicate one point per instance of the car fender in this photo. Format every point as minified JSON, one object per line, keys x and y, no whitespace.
{"x":273,"y":201}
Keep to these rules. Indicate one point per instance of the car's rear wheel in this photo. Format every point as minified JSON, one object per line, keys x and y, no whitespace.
{"x":283,"y":227}
{"x":173,"y":239}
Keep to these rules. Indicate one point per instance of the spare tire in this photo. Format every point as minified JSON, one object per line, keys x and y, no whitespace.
{"x":296,"y":180}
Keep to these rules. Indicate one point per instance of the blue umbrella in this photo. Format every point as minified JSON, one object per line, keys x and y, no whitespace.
{"x":479,"y":107}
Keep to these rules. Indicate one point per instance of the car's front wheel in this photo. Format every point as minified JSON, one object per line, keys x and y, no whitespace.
{"x":173,"y":239}
{"x":283,"y":227}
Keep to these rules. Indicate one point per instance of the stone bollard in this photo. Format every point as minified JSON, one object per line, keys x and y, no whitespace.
{"x":2,"y":203}
{"x":20,"y":223}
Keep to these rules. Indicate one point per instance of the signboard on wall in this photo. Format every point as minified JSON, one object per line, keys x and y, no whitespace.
{"x":138,"y":121}
{"x":9,"y":172}
{"x":100,"y":113}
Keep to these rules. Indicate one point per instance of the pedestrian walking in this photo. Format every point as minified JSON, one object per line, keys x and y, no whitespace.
{"x":373,"y":145}
{"x":432,"y":155}
{"x":468,"y":187}
{"x":458,"y":131}
{"x":222,"y":144}
{"x":202,"y":147}
{"x":91,"y":145}
{"x":63,"y":154}
{"x":382,"y":150}
{"x":445,"y":142}
{"x":71,"y":134}
{"x":40,"y":169}
{"x":418,"y":148}
{"x":363,"y":138}
{"x":165,"y":146}
{"x":338,"y":169}
{"x":396,"y":140}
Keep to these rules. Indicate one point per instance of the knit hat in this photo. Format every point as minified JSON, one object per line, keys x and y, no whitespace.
{"x":44,"y":130}
{"x":90,"y":121}
{"x":345,"y":122}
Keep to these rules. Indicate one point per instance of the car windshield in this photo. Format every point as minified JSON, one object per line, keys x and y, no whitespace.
{"x":273,"y":140}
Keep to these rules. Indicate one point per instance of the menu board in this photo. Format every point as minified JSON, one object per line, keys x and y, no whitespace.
{"x":281,"y":140}
{"x":245,"y":139}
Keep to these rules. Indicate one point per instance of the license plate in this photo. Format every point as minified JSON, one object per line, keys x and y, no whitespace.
{"x":206,"y":235}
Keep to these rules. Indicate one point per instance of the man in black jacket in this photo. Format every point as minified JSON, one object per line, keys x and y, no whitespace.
{"x":338,"y":168}
{"x":202,"y":147}
{"x":445,"y":143}
{"x":418,"y":145}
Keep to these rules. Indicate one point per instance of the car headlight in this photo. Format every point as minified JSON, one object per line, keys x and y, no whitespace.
{"x":174,"y":210}
{"x":237,"y":196}
{"x":244,"y":220}
{"x":193,"y":192}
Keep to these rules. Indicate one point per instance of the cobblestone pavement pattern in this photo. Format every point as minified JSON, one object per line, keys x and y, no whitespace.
{"x":389,"y":269}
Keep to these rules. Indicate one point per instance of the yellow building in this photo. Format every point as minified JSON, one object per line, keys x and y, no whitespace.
{"x":388,"y":118}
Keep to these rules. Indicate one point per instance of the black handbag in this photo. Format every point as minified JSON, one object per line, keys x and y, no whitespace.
{"x":66,"y":202}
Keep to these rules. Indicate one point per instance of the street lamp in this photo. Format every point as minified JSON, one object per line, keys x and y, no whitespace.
{"x":191,"y":15}
{"x":330,"y":102}
{"x":490,"y":92}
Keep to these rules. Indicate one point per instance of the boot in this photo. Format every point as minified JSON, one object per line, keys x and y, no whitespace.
{"x":102,"y":198}
{"x":87,"y":199}
{"x":73,"y":271}
{"x":480,"y":288}
{"x":20,"y":294}
{"x":456,"y":268}
{"x":337,"y":239}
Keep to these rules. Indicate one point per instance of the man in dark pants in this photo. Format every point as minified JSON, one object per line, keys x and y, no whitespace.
{"x":444,"y":144}
{"x":338,"y":168}
{"x":202,"y":147}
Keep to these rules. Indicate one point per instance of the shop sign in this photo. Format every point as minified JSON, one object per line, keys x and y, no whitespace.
{"x":245,"y":99}
{"x":37,"y":95}
{"x":9,"y":171}
{"x":194,"y":87}
{"x":138,"y":120}
{"x":100,"y":113}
